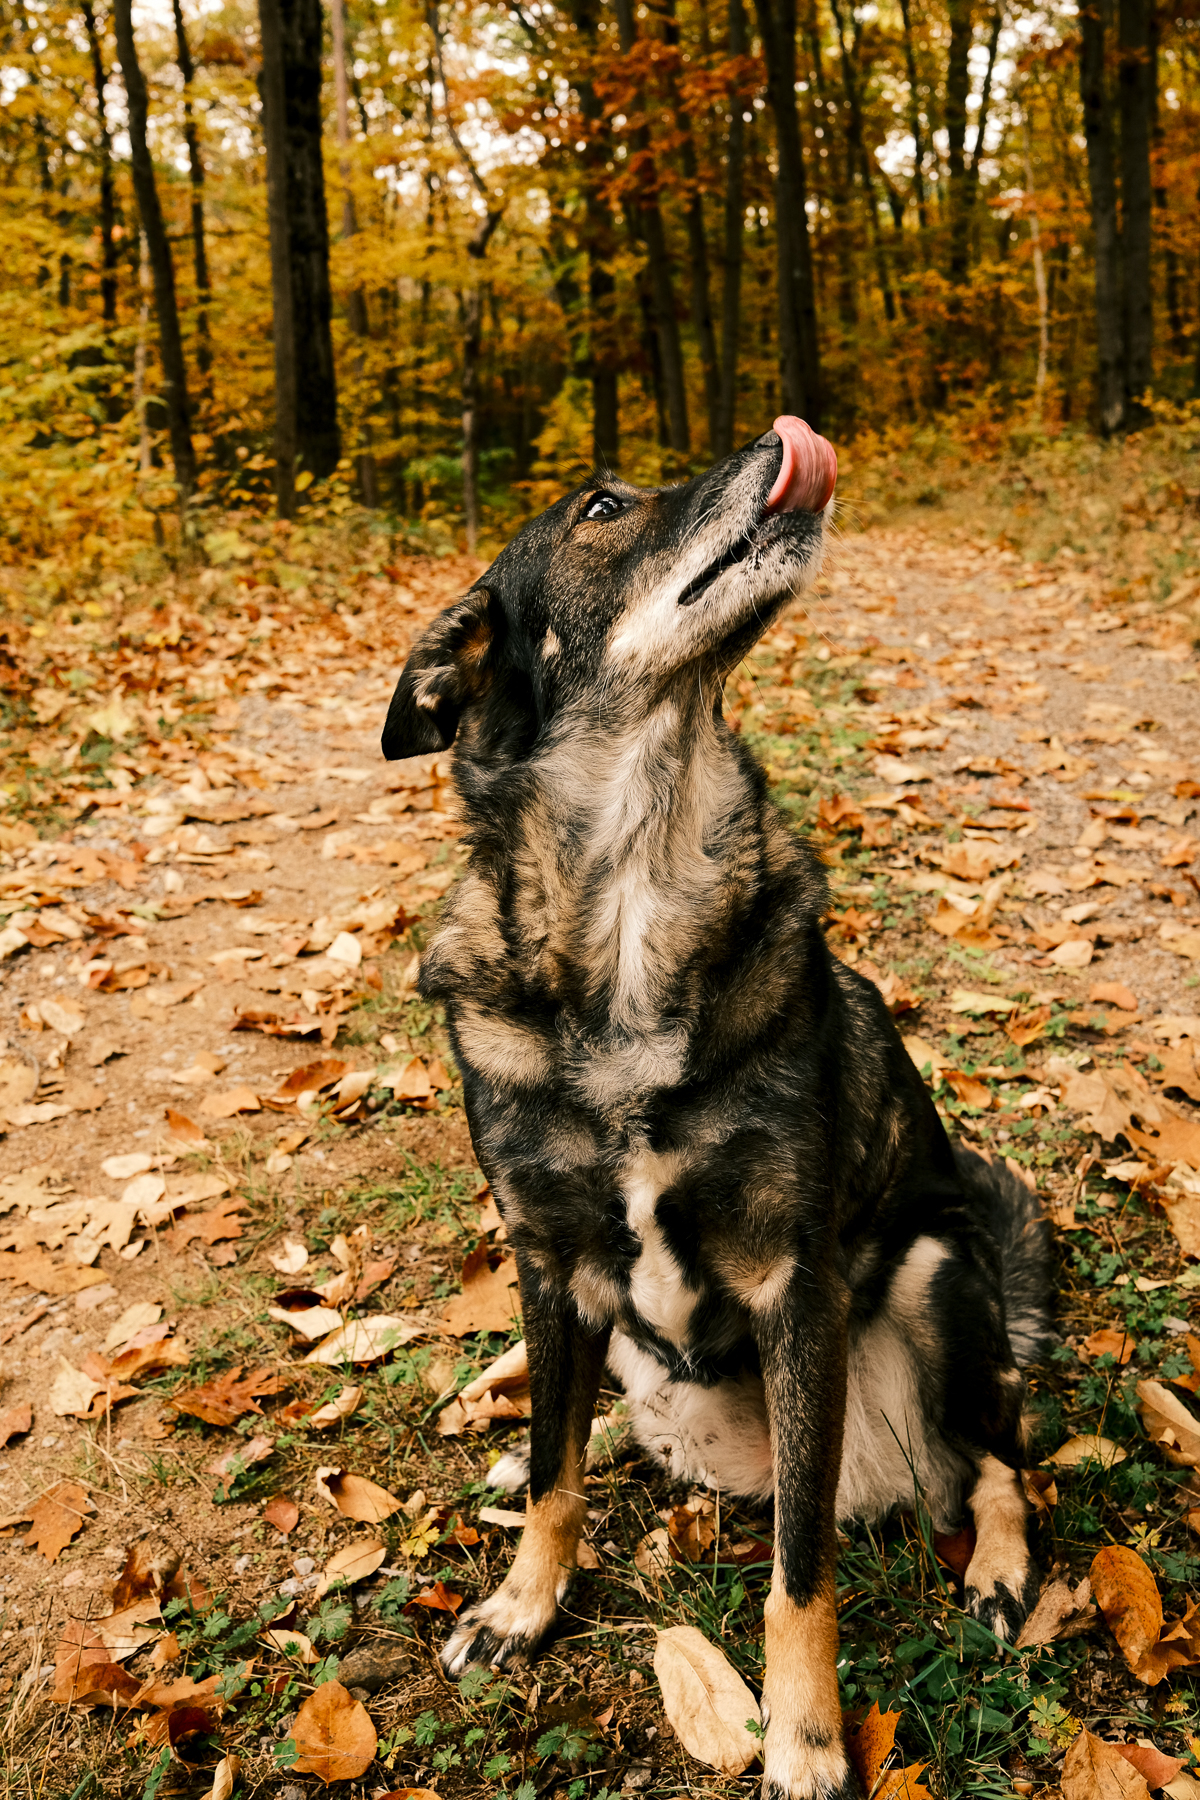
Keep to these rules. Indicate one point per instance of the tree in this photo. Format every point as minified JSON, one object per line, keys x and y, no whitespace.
{"x":191,"y":136}
{"x":108,"y":198}
{"x":648,"y":213}
{"x":158,"y":246}
{"x":1097,"y":122}
{"x":735,"y":229}
{"x":599,"y":244}
{"x":799,"y":351}
{"x":1136,"y":90}
{"x":306,"y":389}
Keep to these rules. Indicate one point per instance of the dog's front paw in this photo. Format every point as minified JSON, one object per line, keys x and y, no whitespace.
{"x":808,"y":1766}
{"x":498,"y":1634}
{"x":1001,"y":1602}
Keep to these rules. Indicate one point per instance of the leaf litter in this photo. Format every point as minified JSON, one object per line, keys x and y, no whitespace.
{"x":242,"y":1009}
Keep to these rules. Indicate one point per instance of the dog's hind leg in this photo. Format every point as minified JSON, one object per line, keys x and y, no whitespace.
{"x":1001,"y":1581}
{"x":802,"y":1345}
{"x":565,"y":1364}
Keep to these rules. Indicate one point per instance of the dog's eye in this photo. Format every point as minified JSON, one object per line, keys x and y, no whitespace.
{"x":602,"y":506}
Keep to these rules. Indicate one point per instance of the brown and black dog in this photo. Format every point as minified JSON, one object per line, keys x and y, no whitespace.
{"x":720,"y":1171}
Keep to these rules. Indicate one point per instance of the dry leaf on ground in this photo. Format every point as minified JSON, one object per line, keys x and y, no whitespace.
{"x":15,"y":1421}
{"x":227,"y":1397}
{"x":354,"y":1563}
{"x":365,"y":1340}
{"x":356,"y":1497}
{"x":282,"y":1513}
{"x":489,"y":1300}
{"x":345,"y":1402}
{"x":437,"y":1598}
{"x":288,"y":1257}
{"x":869,"y":1743}
{"x":1128,"y":1596}
{"x":56,"y":1517}
{"x":706,"y":1701}
{"x":501,"y":1391}
{"x":1155,"y":1768}
{"x":1094,"y":1770}
{"x":1061,"y":1612}
{"x":1088,"y":1447}
{"x":1169,"y":1424}
{"x":293,"y":1644}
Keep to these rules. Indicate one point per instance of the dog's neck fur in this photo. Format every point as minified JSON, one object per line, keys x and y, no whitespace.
{"x":636,"y":843}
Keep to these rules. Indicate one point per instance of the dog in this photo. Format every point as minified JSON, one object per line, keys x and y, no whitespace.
{"x":720,"y":1171}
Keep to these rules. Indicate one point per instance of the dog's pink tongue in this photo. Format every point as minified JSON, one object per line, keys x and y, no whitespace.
{"x":808,"y":474}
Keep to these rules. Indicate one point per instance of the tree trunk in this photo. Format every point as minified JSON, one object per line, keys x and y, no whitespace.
{"x":599,"y":239}
{"x":914,"y":123}
{"x":799,"y":350}
{"x":958,"y":86}
{"x":283,"y":329}
{"x":838,"y":177}
{"x":1039,"y":266}
{"x":291,"y":40}
{"x":196,"y":170}
{"x":1162,"y":205}
{"x":659,"y":265}
{"x":108,"y":197}
{"x":357,"y":308}
{"x":735,"y":226}
{"x":701,"y":296}
{"x":170,"y":343}
{"x":985,"y":101}
{"x":1137,"y":105}
{"x":472,"y":331}
{"x":861,"y":156}
{"x":1097,"y":121}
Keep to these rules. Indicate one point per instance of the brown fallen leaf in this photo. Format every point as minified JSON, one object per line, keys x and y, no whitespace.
{"x":211,"y":1227}
{"x":85,"y":1672}
{"x":226,"y":1106}
{"x":1128,"y":1596}
{"x":1113,"y":993}
{"x":57,"y":1516}
{"x":47,"y":1274}
{"x":15,"y":1421}
{"x":1179,"y":1071}
{"x":1112,"y":1098}
{"x":282,"y":1513}
{"x":243,"y":1456}
{"x":489,"y":1300}
{"x":1169,"y":1424}
{"x":150,"y":1567}
{"x":706,"y":1701}
{"x":224,"y":1778}
{"x":437,"y":1599}
{"x":227,"y":1397}
{"x":1026,"y":1028}
{"x":365,"y":1340}
{"x":288,"y":1257}
{"x":1174,"y":1141}
{"x":333,"y":1734}
{"x":185,"y":1131}
{"x":1087,"y":1447}
{"x":1061,"y":1612}
{"x":353,"y":1563}
{"x":501,"y":1391}
{"x":345,"y":1402}
{"x":870,"y":1740}
{"x":356,"y":1497}
{"x":1151,"y":1764}
{"x":1094,"y":1770}
{"x":293,"y":1644}
{"x":1110,"y":1342}
{"x":968,"y":1090}
{"x":904,"y":1784}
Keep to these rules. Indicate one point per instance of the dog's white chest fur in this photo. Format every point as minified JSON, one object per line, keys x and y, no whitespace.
{"x":658,"y":1289}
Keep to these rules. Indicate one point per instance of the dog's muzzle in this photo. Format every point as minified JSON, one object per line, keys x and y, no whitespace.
{"x":805,"y":483}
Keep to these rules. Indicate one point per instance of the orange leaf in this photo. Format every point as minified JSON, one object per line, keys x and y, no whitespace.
{"x":437,"y":1599}
{"x":1127,"y":1594}
{"x":955,"y":1551}
{"x":1154,"y":1768}
{"x":334,"y":1736}
{"x":225,"y":1399}
{"x":56,"y":1517}
{"x":1109,"y":1342}
{"x":282,"y":1513}
{"x":904,"y":1784}
{"x":870,"y":1743}
{"x":356,"y":1497}
{"x":1094,"y":1770}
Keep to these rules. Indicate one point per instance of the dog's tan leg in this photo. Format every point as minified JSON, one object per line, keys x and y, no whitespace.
{"x":802,"y":1343}
{"x":1001,"y":1582}
{"x":804,"y":1749}
{"x":565,"y":1362}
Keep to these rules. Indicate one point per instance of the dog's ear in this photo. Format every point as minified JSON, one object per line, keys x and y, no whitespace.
{"x":446,"y":669}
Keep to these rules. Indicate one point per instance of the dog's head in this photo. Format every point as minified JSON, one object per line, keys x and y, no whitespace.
{"x":614,"y":594}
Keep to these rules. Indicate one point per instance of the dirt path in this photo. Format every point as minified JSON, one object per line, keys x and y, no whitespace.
{"x":1003,"y":768}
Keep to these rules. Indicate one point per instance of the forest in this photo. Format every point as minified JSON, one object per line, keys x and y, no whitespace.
{"x":441,"y":260}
